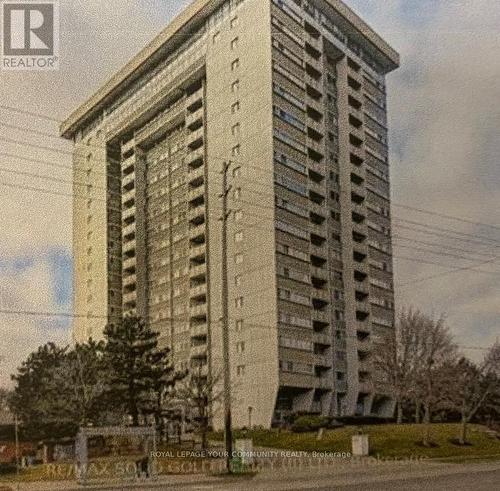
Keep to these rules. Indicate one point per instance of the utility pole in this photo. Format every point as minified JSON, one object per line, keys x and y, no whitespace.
{"x":16,"y":428}
{"x":228,"y":430}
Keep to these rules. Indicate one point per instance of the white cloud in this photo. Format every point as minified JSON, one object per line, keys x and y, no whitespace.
{"x":30,"y":288}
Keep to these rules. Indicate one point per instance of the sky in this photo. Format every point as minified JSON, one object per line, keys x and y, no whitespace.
{"x":444,"y":118}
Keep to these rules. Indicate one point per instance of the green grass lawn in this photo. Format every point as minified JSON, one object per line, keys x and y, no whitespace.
{"x":385,"y":440}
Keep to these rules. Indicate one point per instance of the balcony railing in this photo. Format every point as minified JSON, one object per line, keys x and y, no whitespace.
{"x":195,"y":156}
{"x":199,"y":270}
{"x":198,"y":291}
{"x":198,"y":331}
{"x":197,"y":251}
{"x":199,"y":351}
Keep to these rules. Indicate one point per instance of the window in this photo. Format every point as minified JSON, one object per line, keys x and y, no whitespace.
{"x":235,"y":130}
{"x":289,"y":118}
{"x":239,"y":325}
{"x":240,"y":347}
{"x":238,"y":237}
{"x":238,"y":301}
{"x":240,"y":370}
{"x":235,"y":107}
{"x":236,"y":150}
{"x":235,"y":64}
{"x":236,"y":172}
{"x":235,"y":86}
{"x":237,"y":194}
{"x":238,"y":215}
{"x":238,"y":258}
{"x":237,"y":280}
{"x":234,"y":43}
{"x":216,"y":37}
{"x":234,"y":22}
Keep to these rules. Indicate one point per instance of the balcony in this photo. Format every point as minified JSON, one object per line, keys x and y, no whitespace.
{"x":129,"y":145}
{"x":358,"y":189}
{"x":196,"y":231}
{"x":197,"y":251}
{"x":360,"y":228}
{"x":362,"y":288}
{"x":198,"y":291}
{"x":199,"y":331}
{"x":319,"y":273}
{"x":128,"y":196}
{"x":362,"y":306}
{"x":128,"y":246}
{"x":128,"y":229}
{"x":196,"y":193}
{"x":318,"y":189}
{"x":128,"y":212}
{"x":324,"y":382}
{"x":361,"y":267}
{"x":198,"y":310}
{"x":358,"y":133}
{"x":320,"y":251}
{"x":194,"y":101}
{"x":316,"y":147}
{"x":318,"y":229}
{"x":128,"y":162}
{"x":314,"y":83}
{"x":363,"y":328}
{"x":129,"y":280}
{"x":323,"y":317}
{"x":359,"y":209}
{"x":130,"y":297}
{"x":365,"y":344}
{"x":316,"y":126}
{"x":323,"y":361}
{"x":128,"y":179}
{"x":315,"y":105}
{"x":314,"y":65}
{"x":199,"y":351}
{"x":129,"y":263}
{"x":195,"y":158}
{"x":197,"y":271}
{"x":196,"y":175}
{"x":197,"y":215}
{"x":325,"y":339}
{"x":194,"y":139}
{"x":195,"y":119}
{"x":297,"y":380}
{"x":323,"y":295}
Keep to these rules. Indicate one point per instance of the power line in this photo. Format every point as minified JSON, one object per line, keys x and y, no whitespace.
{"x":442,"y":215}
{"x":29,"y":113}
{"x":455,"y":270}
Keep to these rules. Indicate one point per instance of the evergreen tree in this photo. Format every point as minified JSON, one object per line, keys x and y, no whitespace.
{"x":138,"y":371}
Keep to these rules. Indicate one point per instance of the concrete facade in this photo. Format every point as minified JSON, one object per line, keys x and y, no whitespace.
{"x":292,"y":94}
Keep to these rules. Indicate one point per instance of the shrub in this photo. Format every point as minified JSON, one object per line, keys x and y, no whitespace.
{"x":364,"y":420}
{"x":303,"y":424}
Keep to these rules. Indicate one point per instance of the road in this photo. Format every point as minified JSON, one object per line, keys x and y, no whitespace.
{"x":431,"y":476}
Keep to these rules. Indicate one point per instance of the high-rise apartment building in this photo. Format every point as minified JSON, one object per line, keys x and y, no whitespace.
{"x":292,"y":94}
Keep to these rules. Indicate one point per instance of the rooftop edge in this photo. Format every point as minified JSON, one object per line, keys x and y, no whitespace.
{"x":70,"y":125}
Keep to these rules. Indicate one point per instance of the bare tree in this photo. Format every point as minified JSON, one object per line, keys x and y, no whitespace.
{"x":436,"y":351}
{"x":472,"y":385}
{"x":200,"y":392}
{"x":396,"y":356}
